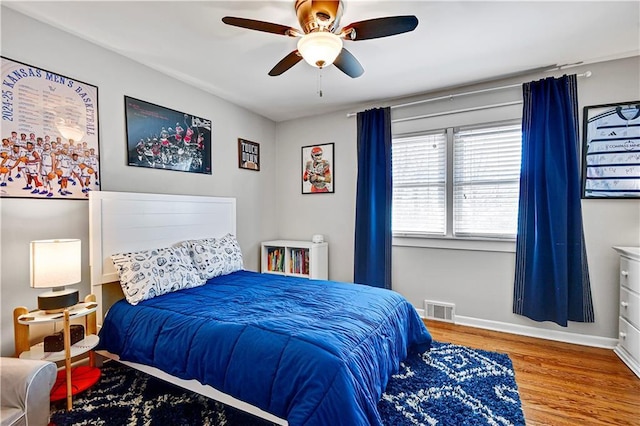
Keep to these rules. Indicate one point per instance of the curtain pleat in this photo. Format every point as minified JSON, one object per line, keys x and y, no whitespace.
{"x":372,"y":257}
{"x":552,"y":277}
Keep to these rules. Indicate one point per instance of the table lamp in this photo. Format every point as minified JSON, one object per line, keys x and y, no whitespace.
{"x":55,"y":264}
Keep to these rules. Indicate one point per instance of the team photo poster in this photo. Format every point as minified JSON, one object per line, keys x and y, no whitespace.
{"x":50,"y":146}
{"x":162,"y":138}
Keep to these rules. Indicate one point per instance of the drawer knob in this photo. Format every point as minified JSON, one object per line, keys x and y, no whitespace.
{"x":623,"y":335}
{"x":624,"y":273}
{"x":624,"y":304}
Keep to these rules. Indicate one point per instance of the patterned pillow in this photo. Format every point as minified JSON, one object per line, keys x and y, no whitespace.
{"x":213,"y":257}
{"x":150,"y":273}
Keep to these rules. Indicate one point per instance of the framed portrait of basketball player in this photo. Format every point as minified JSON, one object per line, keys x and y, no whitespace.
{"x":248,"y":155}
{"x":611,"y":151}
{"x":318,"y":174}
{"x":166,"y":139}
{"x":50,"y":146}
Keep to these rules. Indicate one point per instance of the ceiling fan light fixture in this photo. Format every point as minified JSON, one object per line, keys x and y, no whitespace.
{"x":320,"y":48}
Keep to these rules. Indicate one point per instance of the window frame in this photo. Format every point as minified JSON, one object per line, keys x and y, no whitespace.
{"x":449,"y":240}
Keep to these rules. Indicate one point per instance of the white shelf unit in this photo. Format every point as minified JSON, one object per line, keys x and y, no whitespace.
{"x":295,"y":258}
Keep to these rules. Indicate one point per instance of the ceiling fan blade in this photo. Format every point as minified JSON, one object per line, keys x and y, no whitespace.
{"x":266,"y":27}
{"x":348,"y":64}
{"x":287,"y":62}
{"x":381,"y":27}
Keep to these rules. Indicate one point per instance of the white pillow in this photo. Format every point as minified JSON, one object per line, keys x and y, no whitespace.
{"x":150,"y":273}
{"x":213,"y":257}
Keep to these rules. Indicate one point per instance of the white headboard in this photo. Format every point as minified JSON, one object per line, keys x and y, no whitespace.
{"x":125,"y":222}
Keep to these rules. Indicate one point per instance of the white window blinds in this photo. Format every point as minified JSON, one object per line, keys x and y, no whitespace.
{"x":486,"y":176}
{"x":419,"y":184}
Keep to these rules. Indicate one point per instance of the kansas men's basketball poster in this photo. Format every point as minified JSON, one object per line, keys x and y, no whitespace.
{"x":50,"y":146}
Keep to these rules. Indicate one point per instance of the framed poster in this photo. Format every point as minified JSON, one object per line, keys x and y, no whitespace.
{"x":248,"y":155}
{"x":611,"y":150}
{"x":50,"y":146}
{"x":166,"y":139}
{"x":317,"y":169}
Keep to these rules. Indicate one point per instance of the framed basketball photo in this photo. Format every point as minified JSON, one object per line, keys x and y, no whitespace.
{"x":318,"y":169}
{"x":166,"y":139}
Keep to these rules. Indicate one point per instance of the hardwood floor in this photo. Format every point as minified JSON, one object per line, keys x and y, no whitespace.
{"x":559,"y":383}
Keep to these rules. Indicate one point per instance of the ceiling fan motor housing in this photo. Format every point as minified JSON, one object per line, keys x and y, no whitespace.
{"x":318,"y":15}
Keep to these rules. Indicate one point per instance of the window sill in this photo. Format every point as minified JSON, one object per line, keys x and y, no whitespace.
{"x":449,"y":243}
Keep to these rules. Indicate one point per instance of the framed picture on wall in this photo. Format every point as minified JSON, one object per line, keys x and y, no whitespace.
{"x":248,"y":155}
{"x":318,"y":169}
{"x":50,"y":147}
{"x":611,"y":150}
{"x":166,"y":139}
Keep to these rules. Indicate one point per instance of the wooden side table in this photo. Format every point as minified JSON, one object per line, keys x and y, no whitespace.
{"x":22,"y":319}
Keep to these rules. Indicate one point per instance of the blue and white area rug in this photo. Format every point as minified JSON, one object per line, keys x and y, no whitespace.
{"x":450,"y":385}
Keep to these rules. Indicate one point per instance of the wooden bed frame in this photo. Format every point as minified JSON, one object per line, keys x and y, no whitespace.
{"x":126,"y":222}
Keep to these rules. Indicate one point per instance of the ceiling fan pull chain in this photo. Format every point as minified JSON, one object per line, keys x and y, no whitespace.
{"x":320,"y":82}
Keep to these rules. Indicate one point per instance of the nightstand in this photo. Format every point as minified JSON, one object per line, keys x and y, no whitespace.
{"x":70,"y":381}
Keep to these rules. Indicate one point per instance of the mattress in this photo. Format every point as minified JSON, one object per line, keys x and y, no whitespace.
{"x":310,"y":351}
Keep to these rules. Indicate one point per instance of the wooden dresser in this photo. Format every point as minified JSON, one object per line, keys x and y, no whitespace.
{"x":628,"y":348}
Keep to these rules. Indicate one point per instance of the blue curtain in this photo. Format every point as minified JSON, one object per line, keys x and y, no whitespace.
{"x":372,"y":258}
{"x":552,"y":279}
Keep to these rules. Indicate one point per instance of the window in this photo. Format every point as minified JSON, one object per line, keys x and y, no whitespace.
{"x":419,"y":184}
{"x":460,"y":182}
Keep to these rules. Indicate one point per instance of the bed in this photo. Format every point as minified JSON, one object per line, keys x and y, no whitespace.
{"x":290,"y":350}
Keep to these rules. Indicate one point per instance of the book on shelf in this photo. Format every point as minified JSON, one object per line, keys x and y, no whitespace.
{"x":275,"y":259}
{"x":299,"y":261}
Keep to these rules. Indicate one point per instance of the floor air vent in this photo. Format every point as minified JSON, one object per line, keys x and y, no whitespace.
{"x":439,"y":311}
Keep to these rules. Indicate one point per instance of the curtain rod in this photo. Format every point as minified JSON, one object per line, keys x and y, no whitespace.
{"x":457,"y":111}
{"x":586,"y":74}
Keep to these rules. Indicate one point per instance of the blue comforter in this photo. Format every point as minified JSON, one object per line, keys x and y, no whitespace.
{"x":312,"y":352}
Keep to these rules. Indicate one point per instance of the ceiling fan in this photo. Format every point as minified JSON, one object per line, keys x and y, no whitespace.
{"x":321,"y":42}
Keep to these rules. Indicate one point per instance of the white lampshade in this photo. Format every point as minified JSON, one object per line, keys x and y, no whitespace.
{"x":55,"y":263}
{"x":320,"y":48}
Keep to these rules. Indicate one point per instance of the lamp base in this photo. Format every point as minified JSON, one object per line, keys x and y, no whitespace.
{"x":56,"y":301}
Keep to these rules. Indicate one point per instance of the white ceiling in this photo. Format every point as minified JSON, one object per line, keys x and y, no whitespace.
{"x":455,"y":43}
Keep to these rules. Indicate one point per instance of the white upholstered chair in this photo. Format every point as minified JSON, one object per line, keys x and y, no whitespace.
{"x":24,"y":391}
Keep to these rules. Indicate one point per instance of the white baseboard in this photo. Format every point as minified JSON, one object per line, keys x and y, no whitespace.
{"x":540,"y":333}
{"x":628,"y":359}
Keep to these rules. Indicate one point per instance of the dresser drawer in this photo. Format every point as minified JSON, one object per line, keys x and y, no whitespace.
{"x":630,"y":274}
{"x":630,"y":306}
{"x":630,"y":339}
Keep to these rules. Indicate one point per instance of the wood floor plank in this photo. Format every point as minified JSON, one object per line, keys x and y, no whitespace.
{"x":560,"y":384}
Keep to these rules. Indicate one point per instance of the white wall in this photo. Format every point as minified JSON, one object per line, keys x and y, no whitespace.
{"x":480,"y":283}
{"x":303,"y":215}
{"x":23,"y":220}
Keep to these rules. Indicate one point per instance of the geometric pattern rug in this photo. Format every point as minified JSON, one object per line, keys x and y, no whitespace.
{"x":450,"y":385}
